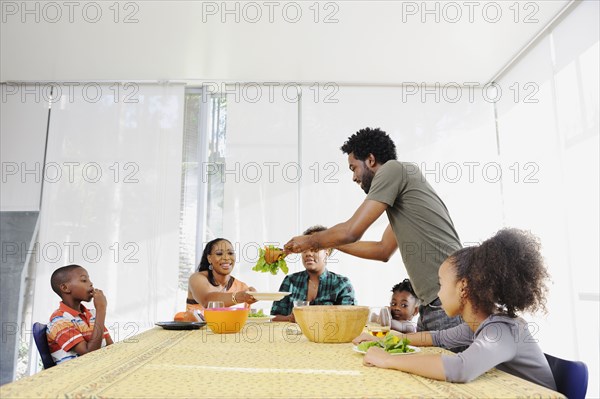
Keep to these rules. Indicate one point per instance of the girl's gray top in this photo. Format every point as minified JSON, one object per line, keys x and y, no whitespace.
{"x":500,"y":341}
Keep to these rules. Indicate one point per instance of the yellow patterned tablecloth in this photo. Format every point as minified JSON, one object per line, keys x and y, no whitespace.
{"x":263,"y":361}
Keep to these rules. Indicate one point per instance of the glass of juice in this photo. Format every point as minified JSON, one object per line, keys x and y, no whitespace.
{"x":379,"y":321}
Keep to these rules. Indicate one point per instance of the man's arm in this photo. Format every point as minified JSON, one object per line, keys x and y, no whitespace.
{"x":377,"y":250}
{"x":340,"y":234}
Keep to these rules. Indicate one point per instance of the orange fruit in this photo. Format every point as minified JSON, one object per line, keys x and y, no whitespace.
{"x":185,"y":316}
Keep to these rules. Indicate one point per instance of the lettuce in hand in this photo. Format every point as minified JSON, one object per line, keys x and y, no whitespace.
{"x":263,"y":266}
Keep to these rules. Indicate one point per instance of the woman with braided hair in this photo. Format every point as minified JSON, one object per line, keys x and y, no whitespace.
{"x":487,"y":285}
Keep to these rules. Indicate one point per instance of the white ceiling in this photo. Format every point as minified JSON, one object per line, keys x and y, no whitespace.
{"x":372,"y":42}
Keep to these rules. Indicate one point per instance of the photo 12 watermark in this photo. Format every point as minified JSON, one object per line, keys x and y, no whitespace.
{"x":475,"y":171}
{"x":252,"y":12}
{"x":70,"y":172}
{"x":255,"y":332}
{"x":54,"y":12}
{"x":471,"y":92}
{"x":290,"y":92}
{"x":70,"y":251}
{"x":452,"y":12}
{"x":70,"y":92}
{"x":124,"y":332}
{"x":268,"y":172}
{"x":248,"y":253}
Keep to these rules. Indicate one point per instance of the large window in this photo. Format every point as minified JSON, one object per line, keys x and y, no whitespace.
{"x":202,"y":185}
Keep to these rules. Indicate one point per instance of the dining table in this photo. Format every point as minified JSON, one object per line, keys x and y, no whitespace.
{"x":263,"y":360}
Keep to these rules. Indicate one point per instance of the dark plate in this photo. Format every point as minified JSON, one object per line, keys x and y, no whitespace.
{"x":181,"y":325}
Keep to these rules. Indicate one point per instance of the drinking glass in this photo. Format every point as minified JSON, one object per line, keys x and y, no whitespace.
{"x":301,"y":303}
{"x":215,"y":305}
{"x":379,"y":322}
{"x":198,"y":314}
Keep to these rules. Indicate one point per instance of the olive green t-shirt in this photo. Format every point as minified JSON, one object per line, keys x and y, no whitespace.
{"x":420,"y":221}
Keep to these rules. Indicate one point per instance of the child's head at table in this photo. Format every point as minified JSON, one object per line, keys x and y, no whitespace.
{"x":504,"y":275}
{"x":72,"y":282}
{"x":404,"y":304}
{"x":315,"y":261}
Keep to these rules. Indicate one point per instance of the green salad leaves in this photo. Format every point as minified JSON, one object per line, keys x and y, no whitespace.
{"x":264,"y":267}
{"x":257,"y":314}
{"x":391,"y":343}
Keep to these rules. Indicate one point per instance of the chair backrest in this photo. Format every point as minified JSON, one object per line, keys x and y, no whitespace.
{"x":571,"y":377}
{"x":41,"y":341}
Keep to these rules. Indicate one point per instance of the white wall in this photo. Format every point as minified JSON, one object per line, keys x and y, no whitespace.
{"x":374,"y":42}
{"x":261,"y":201}
{"x":553,"y":135}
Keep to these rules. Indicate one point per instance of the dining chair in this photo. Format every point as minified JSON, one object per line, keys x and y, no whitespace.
{"x":41,"y":341}
{"x":571,"y":377}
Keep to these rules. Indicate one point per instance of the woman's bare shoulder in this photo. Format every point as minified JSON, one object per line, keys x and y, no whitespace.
{"x":199,"y":276}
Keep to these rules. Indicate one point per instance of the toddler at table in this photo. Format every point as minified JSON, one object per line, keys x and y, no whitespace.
{"x":404,"y":306}
{"x":487,"y":285}
{"x":73,"y":330}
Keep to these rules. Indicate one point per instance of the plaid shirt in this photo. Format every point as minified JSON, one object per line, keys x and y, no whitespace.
{"x":334,"y":289}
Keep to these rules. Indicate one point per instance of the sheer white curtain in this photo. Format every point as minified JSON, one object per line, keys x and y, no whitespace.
{"x":24,"y":110}
{"x":550,"y":141}
{"x":260,"y":181}
{"x":113,"y":202}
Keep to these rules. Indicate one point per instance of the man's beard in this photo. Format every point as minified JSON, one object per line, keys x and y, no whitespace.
{"x":366,"y":180}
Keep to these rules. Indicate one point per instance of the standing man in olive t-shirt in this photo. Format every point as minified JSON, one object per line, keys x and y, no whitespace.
{"x":420,"y":225}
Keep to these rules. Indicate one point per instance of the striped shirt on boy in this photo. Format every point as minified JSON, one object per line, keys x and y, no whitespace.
{"x":67,"y":328}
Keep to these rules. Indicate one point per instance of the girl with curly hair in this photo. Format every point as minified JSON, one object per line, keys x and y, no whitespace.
{"x":487,"y":285}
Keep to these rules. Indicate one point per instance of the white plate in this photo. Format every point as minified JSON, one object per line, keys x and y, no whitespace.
{"x":259,"y":319}
{"x":268,"y":296}
{"x":414,"y":348}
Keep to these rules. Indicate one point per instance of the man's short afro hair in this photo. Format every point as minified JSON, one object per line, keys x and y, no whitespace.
{"x":370,"y":141}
